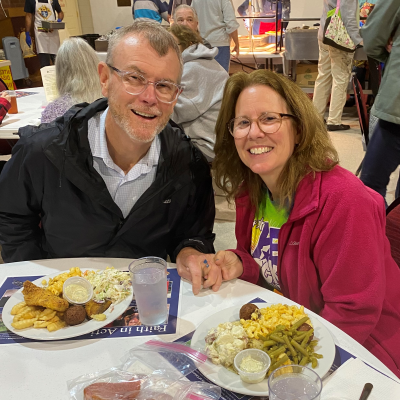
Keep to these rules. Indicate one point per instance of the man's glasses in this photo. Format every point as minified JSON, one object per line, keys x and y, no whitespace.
{"x":134,"y":83}
{"x":268,"y":122}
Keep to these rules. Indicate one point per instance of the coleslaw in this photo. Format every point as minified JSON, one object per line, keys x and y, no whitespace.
{"x":109,"y":284}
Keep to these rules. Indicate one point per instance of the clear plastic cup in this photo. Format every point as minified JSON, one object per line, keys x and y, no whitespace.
{"x":149,"y":282}
{"x":258,"y":355}
{"x":13,"y":101}
{"x":294,"y":382}
{"x":76,"y":294}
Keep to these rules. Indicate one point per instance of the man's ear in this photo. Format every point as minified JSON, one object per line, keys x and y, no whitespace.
{"x":104,"y":75}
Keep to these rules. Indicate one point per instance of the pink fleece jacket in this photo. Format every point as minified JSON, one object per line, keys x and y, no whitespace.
{"x":334,"y":258}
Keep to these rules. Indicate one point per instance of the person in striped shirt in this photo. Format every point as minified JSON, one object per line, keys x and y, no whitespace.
{"x":153,"y":10}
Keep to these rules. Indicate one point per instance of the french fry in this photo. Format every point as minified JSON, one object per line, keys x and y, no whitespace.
{"x":40,"y":324}
{"x":47,"y":314}
{"x":18,"y":308}
{"x":54,"y":319}
{"x":26,"y":323}
{"x":55,"y":326}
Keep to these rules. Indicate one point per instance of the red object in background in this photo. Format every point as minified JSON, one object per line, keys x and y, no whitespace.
{"x":269,"y":26}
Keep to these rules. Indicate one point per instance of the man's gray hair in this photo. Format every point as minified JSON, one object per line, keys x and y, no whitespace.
{"x":157,"y":36}
{"x":76,"y":71}
{"x":186,"y":7}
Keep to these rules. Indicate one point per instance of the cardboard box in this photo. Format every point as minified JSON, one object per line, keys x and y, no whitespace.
{"x":306,"y":75}
{"x":101,"y":45}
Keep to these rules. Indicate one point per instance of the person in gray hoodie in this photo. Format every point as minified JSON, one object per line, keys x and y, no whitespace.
{"x":381,"y":35}
{"x":204,"y":81}
{"x":334,"y":65}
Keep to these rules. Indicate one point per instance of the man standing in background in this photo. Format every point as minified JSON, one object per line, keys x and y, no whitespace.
{"x":381,"y":35}
{"x":218,"y":25}
{"x":174,"y":4}
{"x":334,"y":65}
{"x":47,"y":41}
{"x":150,"y":10}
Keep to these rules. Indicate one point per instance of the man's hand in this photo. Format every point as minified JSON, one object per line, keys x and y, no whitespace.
{"x":6,"y":96}
{"x":236,"y":50}
{"x":28,"y":39}
{"x":230,"y":264}
{"x":198,"y":268}
{"x":389,"y":45}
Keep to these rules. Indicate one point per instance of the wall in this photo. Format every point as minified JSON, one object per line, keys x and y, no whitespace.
{"x":85,"y":14}
{"x":107,"y":15}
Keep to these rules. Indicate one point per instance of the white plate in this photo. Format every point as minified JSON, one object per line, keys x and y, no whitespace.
{"x":112,"y":313}
{"x":229,"y":380}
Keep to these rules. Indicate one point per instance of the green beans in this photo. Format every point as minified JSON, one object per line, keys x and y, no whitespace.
{"x":299,"y":348}
{"x":289,"y":346}
{"x":277,"y":338}
{"x":278,"y":363}
{"x":299,"y":323}
{"x":304,"y":361}
{"x":278,"y":351}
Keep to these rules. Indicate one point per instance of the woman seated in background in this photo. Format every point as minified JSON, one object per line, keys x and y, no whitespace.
{"x":203,"y":79}
{"x":305,"y":226}
{"x":76,"y":77}
{"x":5,"y":104}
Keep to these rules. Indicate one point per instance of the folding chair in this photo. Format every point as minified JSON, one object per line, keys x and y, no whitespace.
{"x":363,"y":116}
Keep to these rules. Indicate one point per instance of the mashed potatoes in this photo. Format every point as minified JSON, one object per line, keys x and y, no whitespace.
{"x":224,"y":342}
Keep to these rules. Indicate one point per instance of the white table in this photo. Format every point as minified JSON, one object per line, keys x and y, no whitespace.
{"x":40,"y":370}
{"x":29,"y":111}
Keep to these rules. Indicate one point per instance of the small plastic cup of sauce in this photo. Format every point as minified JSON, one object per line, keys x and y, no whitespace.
{"x":77,"y":290}
{"x":252,"y":365}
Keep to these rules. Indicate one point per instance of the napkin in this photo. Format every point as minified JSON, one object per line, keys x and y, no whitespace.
{"x":348,"y":382}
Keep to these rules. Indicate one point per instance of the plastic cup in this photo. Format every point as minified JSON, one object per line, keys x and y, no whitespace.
{"x":294,"y":382}
{"x":78,"y":282}
{"x":259,"y":355}
{"x":149,"y":282}
{"x":13,"y":101}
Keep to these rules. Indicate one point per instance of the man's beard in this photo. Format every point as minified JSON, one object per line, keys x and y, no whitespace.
{"x":124,"y":122}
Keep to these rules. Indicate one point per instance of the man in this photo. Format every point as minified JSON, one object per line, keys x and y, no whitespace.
{"x":218,"y":25}
{"x":334,"y":65}
{"x":113,"y":178}
{"x":186,"y":15}
{"x":47,"y":42}
{"x":153,"y":10}
{"x":265,"y":8}
{"x":381,"y":42}
{"x":174,"y":4}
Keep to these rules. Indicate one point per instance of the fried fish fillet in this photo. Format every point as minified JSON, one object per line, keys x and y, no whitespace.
{"x":36,"y":296}
{"x":96,"y":308}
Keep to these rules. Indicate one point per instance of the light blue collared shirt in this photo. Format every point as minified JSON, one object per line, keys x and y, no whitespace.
{"x":124,"y":189}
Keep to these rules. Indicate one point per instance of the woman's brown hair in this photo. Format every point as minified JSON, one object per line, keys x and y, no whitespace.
{"x":185,"y":36}
{"x":313,"y":153}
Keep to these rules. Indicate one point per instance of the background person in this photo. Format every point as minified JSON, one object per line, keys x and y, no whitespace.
{"x":204,"y":80}
{"x":174,"y":4}
{"x":150,"y":10}
{"x":334,"y":65}
{"x":382,"y":41}
{"x":47,"y":42}
{"x":76,"y":77}
{"x":113,"y":178}
{"x":218,"y":25}
{"x":300,"y":217}
{"x":186,"y":15}
{"x":5,"y":105}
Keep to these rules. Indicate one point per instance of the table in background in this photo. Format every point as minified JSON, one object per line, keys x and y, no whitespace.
{"x":29,"y":111}
{"x":40,"y":370}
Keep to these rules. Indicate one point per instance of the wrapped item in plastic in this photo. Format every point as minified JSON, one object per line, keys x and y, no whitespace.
{"x":149,"y":372}
{"x":111,"y":384}
{"x":171,"y":360}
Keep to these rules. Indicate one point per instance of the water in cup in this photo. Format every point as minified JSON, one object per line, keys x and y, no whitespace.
{"x":149,"y":282}
{"x":294,"y":382}
{"x":294,"y":387}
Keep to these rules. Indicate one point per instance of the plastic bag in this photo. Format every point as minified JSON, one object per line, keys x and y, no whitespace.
{"x":172,"y":360}
{"x":152,"y":371}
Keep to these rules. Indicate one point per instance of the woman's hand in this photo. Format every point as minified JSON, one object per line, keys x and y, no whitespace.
{"x":230,"y":264}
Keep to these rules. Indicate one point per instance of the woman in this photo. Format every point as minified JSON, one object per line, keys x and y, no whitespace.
{"x":76,"y":78}
{"x":203,"y":79}
{"x":304,"y":225}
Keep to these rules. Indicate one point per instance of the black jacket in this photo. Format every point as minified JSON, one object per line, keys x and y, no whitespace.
{"x":54,"y":204}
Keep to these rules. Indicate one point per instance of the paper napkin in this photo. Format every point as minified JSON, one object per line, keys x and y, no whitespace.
{"x":348,"y":382}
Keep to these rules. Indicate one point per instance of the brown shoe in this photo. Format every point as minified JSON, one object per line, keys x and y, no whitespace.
{"x":340,"y":127}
